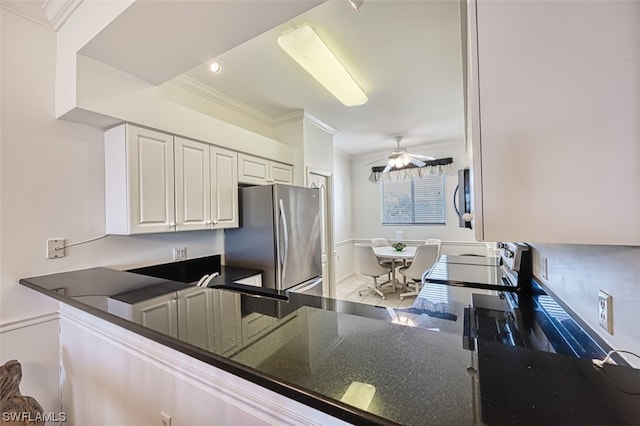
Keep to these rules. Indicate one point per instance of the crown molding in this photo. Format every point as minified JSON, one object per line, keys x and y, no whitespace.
{"x":321,"y":124}
{"x":194,"y":86}
{"x":58,"y":11}
{"x":51,"y":14}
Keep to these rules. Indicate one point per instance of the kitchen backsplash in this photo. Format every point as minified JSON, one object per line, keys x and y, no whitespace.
{"x":577,"y":272}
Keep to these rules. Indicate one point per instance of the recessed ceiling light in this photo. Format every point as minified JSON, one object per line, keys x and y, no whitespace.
{"x":215,"y":68}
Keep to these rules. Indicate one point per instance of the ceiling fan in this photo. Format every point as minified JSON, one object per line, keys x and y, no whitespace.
{"x":400,"y":157}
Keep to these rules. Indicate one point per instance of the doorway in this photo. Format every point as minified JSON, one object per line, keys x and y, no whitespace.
{"x":322,"y":180}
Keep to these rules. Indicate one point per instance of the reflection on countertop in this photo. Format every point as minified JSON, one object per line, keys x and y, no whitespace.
{"x":411,"y":362}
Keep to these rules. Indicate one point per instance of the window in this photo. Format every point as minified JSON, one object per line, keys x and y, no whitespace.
{"x":415,"y":201}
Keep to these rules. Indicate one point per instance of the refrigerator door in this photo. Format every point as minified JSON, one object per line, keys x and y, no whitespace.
{"x":253,"y":245}
{"x":298,"y":232}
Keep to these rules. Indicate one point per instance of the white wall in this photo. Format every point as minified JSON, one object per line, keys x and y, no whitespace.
{"x":366,"y":199}
{"x":52,"y":185}
{"x":577,"y":272}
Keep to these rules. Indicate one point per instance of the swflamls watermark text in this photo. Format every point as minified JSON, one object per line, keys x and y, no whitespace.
{"x":29,"y":417}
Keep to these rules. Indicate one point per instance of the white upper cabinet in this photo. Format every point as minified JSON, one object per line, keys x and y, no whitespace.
{"x":139,"y":181}
{"x":157,"y":183}
{"x":206,"y":186}
{"x":193,"y":185}
{"x":554,"y":111}
{"x":224,"y":188}
{"x":259,"y":171}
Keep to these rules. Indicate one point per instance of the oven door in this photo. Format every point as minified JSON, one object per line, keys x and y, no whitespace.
{"x":312,"y":287}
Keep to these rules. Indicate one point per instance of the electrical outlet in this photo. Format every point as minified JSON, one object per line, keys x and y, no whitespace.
{"x":544,"y":268}
{"x":55,"y":248}
{"x":166,"y":419}
{"x":179,"y":253}
{"x":605,"y":311}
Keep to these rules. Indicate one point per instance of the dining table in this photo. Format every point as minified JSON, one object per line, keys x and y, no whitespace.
{"x":388,"y":252}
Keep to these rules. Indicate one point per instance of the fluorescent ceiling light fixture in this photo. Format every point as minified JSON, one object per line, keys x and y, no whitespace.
{"x":356,"y":4}
{"x":306,"y":48}
{"x":359,"y":395}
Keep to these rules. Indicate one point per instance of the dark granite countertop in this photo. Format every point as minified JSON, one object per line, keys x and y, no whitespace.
{"x":314,"y":349}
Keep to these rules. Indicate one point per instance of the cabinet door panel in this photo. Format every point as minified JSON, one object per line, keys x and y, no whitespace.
{"x":558,"y":136}
{"x":159,"y":314}
{"x":195,"y":317}
{"x":152,"y":184}
{"x":193,"y":190}
{"x":228,"y":339}
{"x":224,"y":188}
{"x":281,"y":173}
{"x":252,"y":170}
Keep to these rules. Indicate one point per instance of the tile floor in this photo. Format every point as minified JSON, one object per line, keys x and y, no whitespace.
{"x":348,"y":288}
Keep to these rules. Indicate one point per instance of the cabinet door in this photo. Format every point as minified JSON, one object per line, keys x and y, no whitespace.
{"x":193,"y":185}
{"x":256,"y":325}
{"x":559,"y":100}
{"x":151,"y":185}
{"x":280,"y":173}
{"x":224,"y":188}
{"x":159,"y":313}
{"x":252,"y":170}
{"x":195,"y":316}
{"x":227,"y":321}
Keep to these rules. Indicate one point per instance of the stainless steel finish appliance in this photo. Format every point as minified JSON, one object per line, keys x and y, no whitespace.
{"x":313,"y":287}
{"x":462,"y":198}
{"x":280,"y":228}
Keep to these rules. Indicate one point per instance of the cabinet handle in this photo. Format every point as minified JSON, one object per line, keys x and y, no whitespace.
{"x":172,"y":224}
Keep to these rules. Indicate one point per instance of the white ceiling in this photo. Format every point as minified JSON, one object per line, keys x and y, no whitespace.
{"x":406,"y":55}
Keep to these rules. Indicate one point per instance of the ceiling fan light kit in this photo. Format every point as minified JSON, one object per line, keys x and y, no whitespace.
{"x":400,"y":158}
{"x":310,"y":52}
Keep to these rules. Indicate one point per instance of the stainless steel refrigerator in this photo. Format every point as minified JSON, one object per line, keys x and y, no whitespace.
{"x":279,"y":233}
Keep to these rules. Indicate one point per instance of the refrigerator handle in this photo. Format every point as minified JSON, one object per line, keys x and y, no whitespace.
{"x":285,"y":232}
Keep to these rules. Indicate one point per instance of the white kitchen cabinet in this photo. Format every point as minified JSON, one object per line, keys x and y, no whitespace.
{"x":139,"y":181}
{"x":226,"y":307}
{"x":196,"y":316}
{"x":158,"y":313}
{"x":259,"y":171}
{"x":254,"y":326}
{"x":224,"y":188}
{"x":157,"y":183}
{"x":193,"y":185}
{"x":206,"y":186}
{"x":554,"y":111}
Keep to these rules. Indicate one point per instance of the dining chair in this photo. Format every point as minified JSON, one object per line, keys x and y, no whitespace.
{"x":426,"y":256}
{"x":368,"y":265}
{"x":437,"y":242}
{"x":382,"y":242}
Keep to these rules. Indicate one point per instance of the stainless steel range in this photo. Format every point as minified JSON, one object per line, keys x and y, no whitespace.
{"x":506,"y":304}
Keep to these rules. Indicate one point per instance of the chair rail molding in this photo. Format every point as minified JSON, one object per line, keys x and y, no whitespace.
{"x":28,"y":322}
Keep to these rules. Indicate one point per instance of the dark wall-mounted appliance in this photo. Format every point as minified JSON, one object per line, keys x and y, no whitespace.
{"x":462,"y":198}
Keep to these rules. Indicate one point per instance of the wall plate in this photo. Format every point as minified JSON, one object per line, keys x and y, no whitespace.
{"x":605,"y":311}
{"x":55,"y":248}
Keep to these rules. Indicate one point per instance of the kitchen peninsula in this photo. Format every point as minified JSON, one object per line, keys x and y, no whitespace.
{"x":363,"y":364}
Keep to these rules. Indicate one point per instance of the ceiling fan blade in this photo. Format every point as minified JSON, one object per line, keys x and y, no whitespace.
{"x":386,"y":169}
{"x":422,"y":157}
{"x":376,"y":161}
{"x":417,"y":162}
